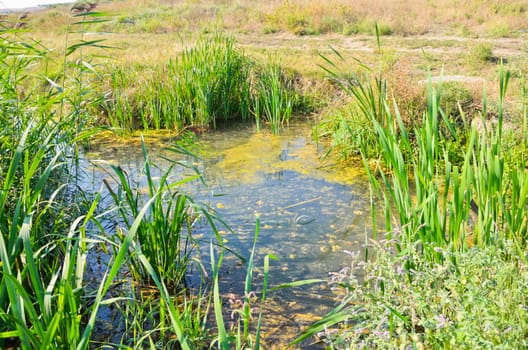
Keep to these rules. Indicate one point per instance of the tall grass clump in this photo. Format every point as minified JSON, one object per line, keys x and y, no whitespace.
{"x":274,"y":97}
{"x":164,"y":236}
{"x":210,"y":82}
{"x":192,"y":320}
{"x":46,"y":221}
{"x":433,"y":195}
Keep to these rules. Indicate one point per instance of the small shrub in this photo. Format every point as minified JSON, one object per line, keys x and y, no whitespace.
{"x":467,"y":32}
{"x":384,"y":28}
{"x":368,"y":26}
{"x":499,"y":30}
{"x":151,"y":25}
{"x":346,"y":132}
{"x":350,"y":28}
{"x":330,"y":24}
{"x":455,"y":94}
{"x":479,"y":54}
{"x":365,"y":26}
{"x":468,"y":300}
{"x":270,"y":29}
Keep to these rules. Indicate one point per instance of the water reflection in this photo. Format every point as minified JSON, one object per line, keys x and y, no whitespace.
{"x":309,"y":217}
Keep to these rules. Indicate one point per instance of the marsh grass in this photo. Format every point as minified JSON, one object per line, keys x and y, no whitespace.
{"x":164,"y":237}
{"x":210,"y":82}
{"x":443,"y":213}
{"x":435,"y":209}
{"x":434,"y":168}
{"x":345,"y":132}
{"x":274,"y":97}
{"x":197,"y":319}
{"x":43,"y":241}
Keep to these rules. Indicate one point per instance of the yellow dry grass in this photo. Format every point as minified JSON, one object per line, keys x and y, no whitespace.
{"x":425,"y":36}
{"x":402,"y":17}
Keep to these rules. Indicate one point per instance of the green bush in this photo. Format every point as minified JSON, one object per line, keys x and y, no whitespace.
{"x":499,"y":30}
{"x":468,"y":300}
{"x":479,"y":54}
{"x":346,"y":132}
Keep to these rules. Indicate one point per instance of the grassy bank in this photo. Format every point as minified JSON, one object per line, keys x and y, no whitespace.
{"x":209,"y":83}
{"x":453,"y":190}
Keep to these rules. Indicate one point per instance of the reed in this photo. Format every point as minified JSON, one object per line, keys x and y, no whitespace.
{"x":192,"y":320}
{"x":43,"y":240}
{"x":443,"y":184}
{"x":210,"y":82}
{"x":207,"y":83}
{"x":164,"y":237}
{"x":274,"y":97}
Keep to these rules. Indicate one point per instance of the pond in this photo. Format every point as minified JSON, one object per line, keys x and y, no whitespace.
{"x":310,"y":215}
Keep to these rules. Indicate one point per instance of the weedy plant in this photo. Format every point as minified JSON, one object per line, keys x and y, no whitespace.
{"x":43,"y":240}
{"x":468,"y":300}
{"x":209,"y":83}
{"x":273,"y":98}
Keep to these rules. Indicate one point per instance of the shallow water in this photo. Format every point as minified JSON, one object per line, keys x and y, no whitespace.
{"x":310,"y":215}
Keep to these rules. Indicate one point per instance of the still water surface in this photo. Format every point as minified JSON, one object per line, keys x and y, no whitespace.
{"x":310,"y":214}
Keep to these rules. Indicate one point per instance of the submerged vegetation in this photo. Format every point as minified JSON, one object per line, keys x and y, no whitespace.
{"x":447,"y":172}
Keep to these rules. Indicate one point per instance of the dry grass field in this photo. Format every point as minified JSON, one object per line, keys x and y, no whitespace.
{"x":429,"y":33}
